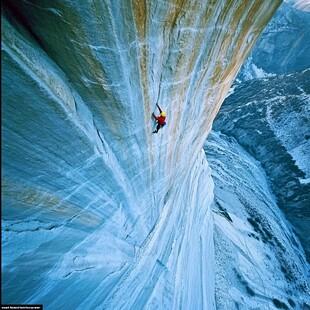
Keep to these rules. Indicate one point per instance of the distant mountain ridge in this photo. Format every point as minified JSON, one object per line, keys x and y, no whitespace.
{"x":283,"y":46}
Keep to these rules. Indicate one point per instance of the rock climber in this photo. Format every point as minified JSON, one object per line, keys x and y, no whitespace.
{"x":160,"y":119}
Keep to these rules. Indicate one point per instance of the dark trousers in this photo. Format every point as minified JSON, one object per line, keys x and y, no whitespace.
{"x":158,"y":127}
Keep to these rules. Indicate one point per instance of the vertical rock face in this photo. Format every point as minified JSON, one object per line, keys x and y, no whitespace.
{"x":97,"y":211}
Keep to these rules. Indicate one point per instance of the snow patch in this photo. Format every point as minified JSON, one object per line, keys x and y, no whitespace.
{"x":303,"y":5}
{"x":257,"y":257}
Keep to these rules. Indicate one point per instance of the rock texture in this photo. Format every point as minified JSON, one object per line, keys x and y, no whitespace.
{"x":97,"y":211}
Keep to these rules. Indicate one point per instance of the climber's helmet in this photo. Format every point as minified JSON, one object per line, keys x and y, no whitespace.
{"x":163,"y":113}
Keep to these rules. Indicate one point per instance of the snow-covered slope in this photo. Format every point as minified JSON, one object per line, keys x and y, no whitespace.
{"x":259,"y":262}
{"x":96,"y":211}
{"x":270,"y":118}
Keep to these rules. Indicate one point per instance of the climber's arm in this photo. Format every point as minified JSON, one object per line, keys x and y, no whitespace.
{"x":159,"y":108}
{"x":155,"y":116}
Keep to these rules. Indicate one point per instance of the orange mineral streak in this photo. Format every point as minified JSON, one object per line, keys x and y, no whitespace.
{"x":140,"y":14}
{"x":141,"y":18}
{"x":228,"y":48}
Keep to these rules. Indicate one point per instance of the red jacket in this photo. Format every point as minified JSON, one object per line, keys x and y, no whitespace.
{"x":160,"y":119}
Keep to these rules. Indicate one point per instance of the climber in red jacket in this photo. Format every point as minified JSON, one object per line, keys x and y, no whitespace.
{"x":160,"y":119}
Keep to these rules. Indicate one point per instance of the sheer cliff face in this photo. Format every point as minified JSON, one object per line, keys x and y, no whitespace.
{"x":94,"y":204}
